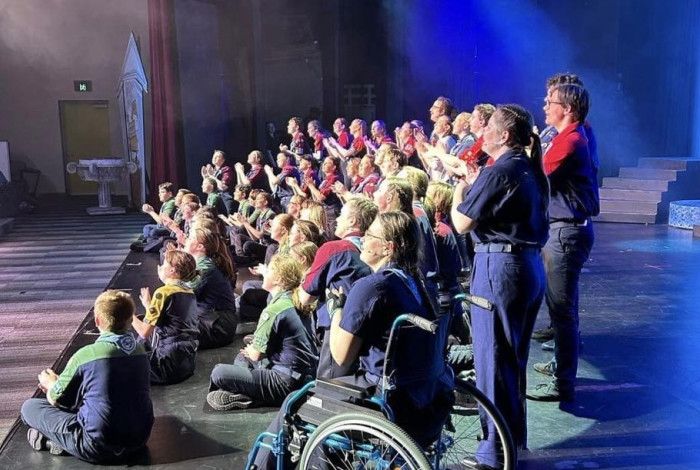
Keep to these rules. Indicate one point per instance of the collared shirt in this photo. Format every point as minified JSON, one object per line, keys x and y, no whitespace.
{"x":326,"y":188}
{"x":337,"y":264}
{"x":107,"y":383}
{"x":507,"y":204}
{"x":308,"y":175}
{"x":367,"y":185}
{"x":285,"y":336}
{"x":173,"y":313}
{"x":463,"y":145}
{"x":168,"y":208}
{"x":225,"y":174}
{"x":385,"y":139}
{"x":298,"y":144}
{"x":370,"y":309}
{"x":344,"y":139}
{"x":212,"y":288}
{"x":474,"y":157}
{"x":359,"y":147}
{"x":215,"y":200}
{"x":257,"y":178}
{"x":283,"y":189}
{"x":572,"y":176}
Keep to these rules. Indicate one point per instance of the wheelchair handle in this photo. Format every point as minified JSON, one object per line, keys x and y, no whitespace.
{"x":421,"y":322}
{"x":475,"y":300}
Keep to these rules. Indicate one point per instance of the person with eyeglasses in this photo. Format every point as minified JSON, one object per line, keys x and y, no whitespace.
{"x":572,"y":174}
{"x":337,"y":265}
{"x":360,"y":328}
{"x":504,"y":206}
{"x":546,"y":335}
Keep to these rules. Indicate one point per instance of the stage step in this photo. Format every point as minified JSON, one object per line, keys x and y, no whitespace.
{"x":630,"y":194}
{"x":642,"y":194}
{"x":648,"y":173}
{"x":632,"y":207}
{"x":635,"y":183}
{"x":626,"y":218}
{"x":668,"y":163}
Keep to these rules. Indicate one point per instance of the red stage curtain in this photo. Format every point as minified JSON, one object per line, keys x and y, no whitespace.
{"x":167,"y":154}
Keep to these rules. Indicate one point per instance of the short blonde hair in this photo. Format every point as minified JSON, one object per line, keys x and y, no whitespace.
{"x":287,"y":271}
{"x":115,"y":310}
{"x":305,"y":250}
{"x":440,"y":195}
{"x":418,"y":180}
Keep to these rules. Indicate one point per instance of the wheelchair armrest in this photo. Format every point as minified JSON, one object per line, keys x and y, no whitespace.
{"x":344,"y":389}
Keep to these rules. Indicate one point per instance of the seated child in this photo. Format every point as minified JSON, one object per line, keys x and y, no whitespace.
{"x":99,"y":409}
{"x":170,"y":325}
{"x":283,"y":338}
{"x":213,"y":287}
{"x":168,"y":208}
{"x":214,"y":198}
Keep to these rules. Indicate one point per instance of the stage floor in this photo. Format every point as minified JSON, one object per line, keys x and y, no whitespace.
{"x":637,"y":405}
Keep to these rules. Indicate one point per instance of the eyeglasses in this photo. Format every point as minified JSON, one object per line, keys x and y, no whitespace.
{"x":370,"y":235}
{"x":548,"y":102}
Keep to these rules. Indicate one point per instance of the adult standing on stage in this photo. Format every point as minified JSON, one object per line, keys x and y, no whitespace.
{"x":506,"y":211}
{"x":573,"y":182}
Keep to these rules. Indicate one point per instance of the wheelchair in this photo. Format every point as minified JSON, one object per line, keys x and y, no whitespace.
{"x":332,"y":424}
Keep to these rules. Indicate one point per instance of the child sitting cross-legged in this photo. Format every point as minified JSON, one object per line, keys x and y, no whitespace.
{"x":282,"y":355}
{"x":99,"y":408}
{"x":170,"y":325}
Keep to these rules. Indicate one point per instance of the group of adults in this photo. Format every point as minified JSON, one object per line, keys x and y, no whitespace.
{"x":525,"y":198}
{"x":343,"y":232}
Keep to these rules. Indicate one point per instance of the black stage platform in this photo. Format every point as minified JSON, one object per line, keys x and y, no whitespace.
{"x":637,"y":404}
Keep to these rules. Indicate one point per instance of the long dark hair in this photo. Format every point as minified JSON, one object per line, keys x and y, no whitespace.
{"x":518,"y":122}
{"x":216,"y":249}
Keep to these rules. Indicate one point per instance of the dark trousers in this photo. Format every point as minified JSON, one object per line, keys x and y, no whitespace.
{"x":327,"y":367}
{"x":515,"y":285}
{"x":62,"y":427}
{"x":216,"y":328}
{"x":154,"y":231}
{"x":173,"y":363}
{"x":564,"y":254}
{"x":252,"y":301}
{"x":264,"y":386}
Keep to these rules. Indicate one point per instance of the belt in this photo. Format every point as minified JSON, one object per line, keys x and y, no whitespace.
{"x":505,"y":248}
{"x":569,"y":223}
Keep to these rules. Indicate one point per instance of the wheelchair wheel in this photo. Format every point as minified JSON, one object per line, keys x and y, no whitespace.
{"x":457,"y":448}
{"x":357,"y":441}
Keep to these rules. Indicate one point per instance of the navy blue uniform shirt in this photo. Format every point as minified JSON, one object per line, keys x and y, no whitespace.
{"x":337,"y":265}
{"x":507,"y":204}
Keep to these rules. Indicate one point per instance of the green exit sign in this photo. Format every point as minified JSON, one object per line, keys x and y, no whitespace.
{"x":82,"y":86}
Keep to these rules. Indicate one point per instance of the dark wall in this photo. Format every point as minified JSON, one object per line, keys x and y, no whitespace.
{"x":244,"y":62}
{"x":634,"y":56}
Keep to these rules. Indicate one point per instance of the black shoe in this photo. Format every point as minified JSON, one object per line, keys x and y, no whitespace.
{"x":221,"y":400}
{"x":136,"y":246}
{"x":550,"y":392}
{"x":543,"y":334}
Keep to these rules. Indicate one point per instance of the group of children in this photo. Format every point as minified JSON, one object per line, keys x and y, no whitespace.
{"x":377,"y":226}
